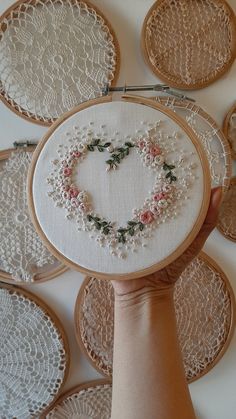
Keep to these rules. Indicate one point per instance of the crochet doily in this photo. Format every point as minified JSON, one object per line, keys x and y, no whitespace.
{"x":22,"y":253}
{"x":53,"y":56}
{"x":189,"y":43}
{"x":204,"y":306}
{"x":230,"y":129}
{"x":209,"y":134}
{"x":88,"y":401}
{"x":227,"y":216}
{"x":33,"y":359}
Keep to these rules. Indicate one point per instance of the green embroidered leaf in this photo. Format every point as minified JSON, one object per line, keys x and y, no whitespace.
{"x":96,"y":142}
{"x":123,"y":239}
{"x":106,"y":231}
{"x":98,"y":226}
{"x":107,"y":145}
{"x":104,"y":223}
{"x":174,"y":178}
{"x":121,"y":149}
{"x":89,"y":217}
{"x":109,"y":161}
{"x":168,"y":175}
{"x":117,"y":159}
{"x":90,"y":147}
{"x":129,"y":144}
{"x":100,"y":148}
{"x":122,"y":230}
{"x":132,"y":223}
{"x":96,"y":218}
{"x":141,"y":227}
{"x":131,"y":231}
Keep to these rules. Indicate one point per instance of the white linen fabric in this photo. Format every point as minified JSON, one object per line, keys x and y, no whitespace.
{"x":115,"y":194}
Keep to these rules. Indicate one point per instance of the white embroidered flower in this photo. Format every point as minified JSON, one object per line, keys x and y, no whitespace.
{"x":81,"y":147}
{"x":83,"y":196}
{"x":110,"y":149}
{"x":162,"y":203}
{"x":159,"y":160}
{"x":167,"y":188}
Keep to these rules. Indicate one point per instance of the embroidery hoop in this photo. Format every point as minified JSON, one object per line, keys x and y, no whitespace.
{"x":103,"y":362}
{"x":10,"y":102}
{"x":219,"y":137}
{"x":226,"y":129}
{"x":190,"y":237}
{"x":50,"y":273}
{"x":176,"y":79}
{"x":81,"y":388}
{"x":57,"y":323}
{"x":227,"y":216}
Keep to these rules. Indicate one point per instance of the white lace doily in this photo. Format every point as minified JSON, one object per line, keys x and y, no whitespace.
{"x":72,"y":187}
{"x":88,"y":401}
{"x":205,"y":313}
{"x":209,"y":134}
{"x":22,"y":253}
{"x":33,"y":358}
{"x":53,"y":56}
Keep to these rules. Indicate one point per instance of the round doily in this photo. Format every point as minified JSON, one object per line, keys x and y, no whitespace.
{"x":53,"y":56}
{"x":23,"y":257}
{"x":187,"y":43}
{"x":33,"y":354}
{"x":205,"y":310}
{"x":105,"y":212}
{"x":87,"y":401}
{"x":229,"y":129}
{"x":209,"y":134}
{"x":227,"y":217}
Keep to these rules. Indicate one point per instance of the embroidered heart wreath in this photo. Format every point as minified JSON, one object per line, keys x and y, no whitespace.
{"x":157,"y":208}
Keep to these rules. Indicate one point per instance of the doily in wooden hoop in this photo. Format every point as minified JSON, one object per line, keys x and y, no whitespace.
{"x":209,"y":134}
{"x":87,"y":401}
{"x":23,"y":257}
{"x":187,"y":43}
{"x":227,"y":217}
{"x":229,"y":129}
{"x":33,"y":354}
{"x":204,"y":304}
{"x":54,"y":54}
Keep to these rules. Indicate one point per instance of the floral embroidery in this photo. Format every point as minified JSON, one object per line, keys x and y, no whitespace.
{"x":159,"y":206}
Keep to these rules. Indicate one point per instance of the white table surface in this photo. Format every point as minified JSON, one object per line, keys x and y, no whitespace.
{"x":214,"y":394}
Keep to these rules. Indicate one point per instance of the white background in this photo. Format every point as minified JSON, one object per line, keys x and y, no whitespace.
{"x":214,"y":394}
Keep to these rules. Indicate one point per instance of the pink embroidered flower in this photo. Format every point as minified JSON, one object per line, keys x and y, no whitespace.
{"x":146,"y":217}
{"x":154,"y":150}
{"x":159,"y":196}
{"x":67,"y":171}
{"x":74,"y":202}
{"x":76,"y":154}
{"x":74,"y":192}
{"x":84,"y":207}
{"x":141,"y":144}
{"x":156,"y":210}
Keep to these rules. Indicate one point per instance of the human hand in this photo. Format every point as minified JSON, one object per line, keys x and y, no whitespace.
{"x":167,"y":276}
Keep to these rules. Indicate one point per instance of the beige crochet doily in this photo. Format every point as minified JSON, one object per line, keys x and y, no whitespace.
{"x":54,"y":55}
{"x":227,"y":216}
{"x":209,"y":134}
{"x":229,"y":129}
{"x":188,"y":43}
{"x":34,"y":354}
{"x":23,"y":256}
{"x":205,"y":310}
{"x":86,"y":401}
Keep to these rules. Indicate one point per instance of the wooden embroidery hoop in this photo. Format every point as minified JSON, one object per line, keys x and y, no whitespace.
{"x":40,"y":277}
{"x":222,"y":216}
{"x":104,"y":370}
{"x":48,"y":310}
{"x":226,"y":128}
{"x":172,"y":80}
{"x":190,"y":237}
{"x":11,"y":104}
{"x":76,"y":389}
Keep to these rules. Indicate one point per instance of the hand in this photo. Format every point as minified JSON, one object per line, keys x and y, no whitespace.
{"x":167,"y":276}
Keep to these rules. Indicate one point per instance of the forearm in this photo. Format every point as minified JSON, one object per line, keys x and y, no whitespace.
{"x":148,"y":375}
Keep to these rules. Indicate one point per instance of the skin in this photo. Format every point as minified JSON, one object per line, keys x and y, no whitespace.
{"x":148,"y":375}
